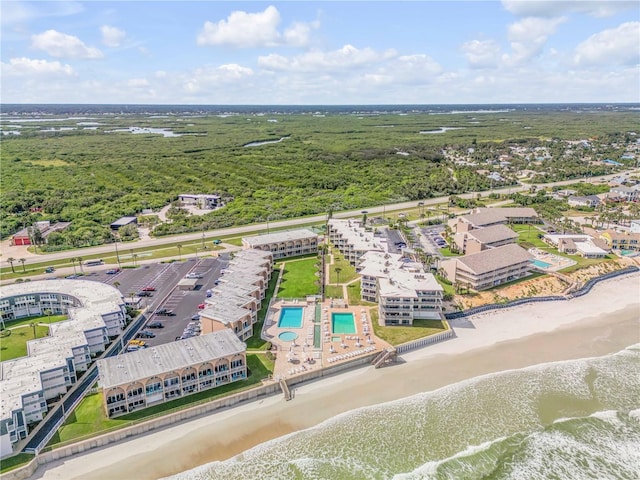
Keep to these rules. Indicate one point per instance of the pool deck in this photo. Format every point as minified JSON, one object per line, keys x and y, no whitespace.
{"x":300,"y":356}
{"x":556,"y":262}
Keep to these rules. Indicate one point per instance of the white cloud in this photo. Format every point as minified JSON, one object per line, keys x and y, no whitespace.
{"x":482,"y":53}
{"x":34,"y":67}
{"x":16,"y":12}
{"x":112,"y":36}
{"x":242,"y":29}
{"x":615,"y":46}
{"x":529,"y":36}
{"x":554,"y":8}
{"x":313,"y":61}
{"x":137,"y":83}
{"x":61,"y":45}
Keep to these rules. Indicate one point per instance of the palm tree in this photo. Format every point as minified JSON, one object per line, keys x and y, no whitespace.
{"x":33,"y":326}
{"x":179,"y":247}
{"x":22,"y":261}
{"x":337,"y":270}
{"x":116,"y":284}
{"x":73,"y":260}
{"x":80,"y":264}
{"x":11,"y":260}
{"x":135,"y":257}
{"x":48,"y":312}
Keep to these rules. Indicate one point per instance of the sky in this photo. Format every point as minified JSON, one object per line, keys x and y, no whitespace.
{"x":320,"y":53}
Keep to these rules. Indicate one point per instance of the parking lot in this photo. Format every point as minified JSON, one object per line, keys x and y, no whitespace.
{"x":184,"y":303}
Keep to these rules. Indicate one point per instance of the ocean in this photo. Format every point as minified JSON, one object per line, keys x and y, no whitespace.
{"x":577,"y":419}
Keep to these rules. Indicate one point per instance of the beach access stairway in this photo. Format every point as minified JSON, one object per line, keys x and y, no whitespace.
{"x":285,"y":389}
{"x":383,"y":357}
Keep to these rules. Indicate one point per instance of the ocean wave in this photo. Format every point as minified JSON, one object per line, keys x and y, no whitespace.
{"x":503,"y":424}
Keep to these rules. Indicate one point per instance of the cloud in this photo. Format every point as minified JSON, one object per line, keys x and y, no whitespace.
{"x":482,"y":53}
{"x":33,"y":67}
{"x":529,"y":36}
{"x":112,"y":36}
{"x":243,"y":30}
{"x":137,"y":83}
{"x":313,"y":61}
{"x":61,"y":45}
{"x":615,"y":46}
{"x":16,"y":12}
{"x":204,"y":80}
{"x":554,"y":8}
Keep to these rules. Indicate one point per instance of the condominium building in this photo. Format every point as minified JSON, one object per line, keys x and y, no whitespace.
{"x":201,"y":200}
{"x":622,"y":240}
{"x":478,"y":239}
{"x":577,"y":244}
{"x":401,"y":288}
{"x":290,"y":243}
{"x":405,"y":296}
{"x":486,"y":217}
{"x":353,"y":240}
{"x":489,"y":268}
{"x":96,"y":313}
{"x":159,"y":374}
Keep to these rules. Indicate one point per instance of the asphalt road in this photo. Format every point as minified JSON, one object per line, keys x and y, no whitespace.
{"x":246,"y":229}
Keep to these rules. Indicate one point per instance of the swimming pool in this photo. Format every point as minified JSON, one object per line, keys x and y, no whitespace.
{"x":540,"y":263}
{"x":290,"y":317}
{"x":343,"y":323}
{"x":288,"y":336}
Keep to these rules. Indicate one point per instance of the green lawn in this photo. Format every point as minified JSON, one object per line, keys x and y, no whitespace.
{"x":256,"y":341}
{"x":299,"y":279}
{"x":333,"y":291}
{"x":14,"y":345}
{"x":36,"y":319}
{"x":528,"y":237}
{"x":15,"y":461}
{"x":89,"y":419}
{"x":399,"y":335}
{"x":355,"y":294}
{"x":347,"y":271}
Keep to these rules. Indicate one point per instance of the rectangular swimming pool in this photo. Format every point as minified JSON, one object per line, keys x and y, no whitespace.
{"x":343,"y":323}
{"x":540,"y":263}
{"x":290,"y":317}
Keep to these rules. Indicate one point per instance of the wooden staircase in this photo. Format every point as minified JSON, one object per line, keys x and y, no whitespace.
{"x":285,"y":389}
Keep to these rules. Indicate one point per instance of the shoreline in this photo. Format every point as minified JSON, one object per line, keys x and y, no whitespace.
{"x":604,"y":321}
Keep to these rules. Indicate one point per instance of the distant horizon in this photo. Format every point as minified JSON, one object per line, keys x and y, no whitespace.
{"x":319,"y":53}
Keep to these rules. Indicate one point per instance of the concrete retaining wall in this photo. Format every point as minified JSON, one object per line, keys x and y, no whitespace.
{"x":423,"y":342}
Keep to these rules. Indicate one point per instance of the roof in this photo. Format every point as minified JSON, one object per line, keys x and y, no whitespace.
{"x":587,"y":247}
{"x":278,"y":237}
{"x":494,"y":233}
{"x":405,"y":284}
{"x":142,"y":364}
{"x":494,"y":258}
{"x":125,"y":221}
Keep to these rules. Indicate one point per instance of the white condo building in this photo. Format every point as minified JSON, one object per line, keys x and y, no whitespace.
{"x":290,"y":243}
{"x":96,"y":313}
{"x":353,"y":240}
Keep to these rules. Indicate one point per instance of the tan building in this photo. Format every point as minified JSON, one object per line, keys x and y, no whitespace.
{"x":486,"y":217}
{"x":479,"y":239}
{"x":291,"y":243}
{"x":159,"y":374}
{"x":622,"y":240}
{"x":353,"y":240}
{"x":489,"y":268}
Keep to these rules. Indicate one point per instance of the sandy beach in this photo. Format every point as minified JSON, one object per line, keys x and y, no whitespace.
{"x":605,"y":321}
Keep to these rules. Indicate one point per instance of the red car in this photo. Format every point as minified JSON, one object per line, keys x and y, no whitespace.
{"x":202,"y":306}
{"x":149,"y":289}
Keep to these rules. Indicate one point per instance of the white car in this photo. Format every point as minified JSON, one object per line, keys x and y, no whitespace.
{"x":193,"y":275}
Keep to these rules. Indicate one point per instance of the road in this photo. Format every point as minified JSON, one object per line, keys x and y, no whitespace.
{"x":247,"y":229}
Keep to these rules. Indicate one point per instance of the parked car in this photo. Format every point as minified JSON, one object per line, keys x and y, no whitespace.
{"x":217,"y":242}
{"x":49,"y":270}
{"x":209,"y":293}
{"x":146,"y":334}
{"x":155,"y":325}
{"x":202,"y":306}
{"x":193,"y":275}
{"x":144,"y":294}
{"x":149,"y":289}
{"x":70,"y":277}
{"x":113,"y":271}
{"x":196,"y":317}
{"x":166,"y":312}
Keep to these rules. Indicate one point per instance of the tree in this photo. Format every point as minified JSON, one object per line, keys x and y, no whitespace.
{"x":179,"y":247}
{"x":22,"y":261}
{"x":135,"y":257}
{"x":337,"y":270}
{"x":116,"y":284}
{"x":11,"y":260}
{"x":80,"y":264}
{"x":73,"y":260}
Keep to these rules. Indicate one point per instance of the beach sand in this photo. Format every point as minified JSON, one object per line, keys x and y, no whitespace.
{"x":605,"y":321}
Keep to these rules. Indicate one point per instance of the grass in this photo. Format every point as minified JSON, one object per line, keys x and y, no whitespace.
{"x":584,"y":262}
{"x":399,"y":335}
{"x":15,"y":344}
{"x":255,"y":341}
{"x":528,"y":237}
{"x":333,"y":291}
{"x":446,"y":251}
{"x":347,"y":271}
{"x":89,"y":419}
{"x":299,"y":278}
{"x":15,"y":461}
{"x":36,"y":319}
{"x":448,"y":286}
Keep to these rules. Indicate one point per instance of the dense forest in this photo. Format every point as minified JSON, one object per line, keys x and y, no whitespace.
{"x":63,"y":170}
